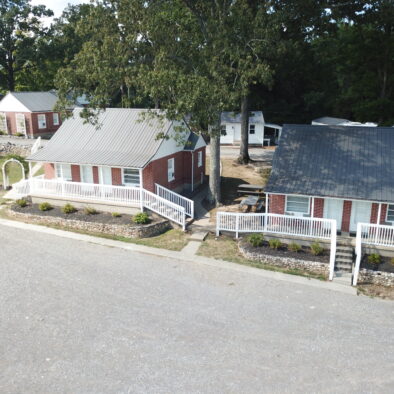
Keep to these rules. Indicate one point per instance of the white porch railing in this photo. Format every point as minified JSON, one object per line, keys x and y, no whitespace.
{"x":315,"y":228}
{"x":176,"y":199}
{"x":133,"y":196}
{"x":36,"y":146}
{"x":372,"y":235}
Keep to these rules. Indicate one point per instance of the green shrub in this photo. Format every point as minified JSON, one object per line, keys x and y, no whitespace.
{"x":141,"y":218}
{"x":317,"y":249}
{"x":392,"y":261}
{"x":45,"y":206}
{"x":2,"y":132}
{"x":294,"y":247}
{"x":68,"y":208}
{"x":256,"y":239}
{"x":116,"y":214}
{"x":21,"y":203}
{"x":374,"y":258}
{"x":90,"y":211}
{"x":275,"y":243}
{"x":20,"y":135}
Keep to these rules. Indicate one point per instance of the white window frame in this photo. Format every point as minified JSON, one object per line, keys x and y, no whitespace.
{"x":387,"y":214}
{"x":223,"y":129}
{"x":131,"y":184}
{"x":60,"y":172}
{"x":18,"y":119}
{"x":41,"y":124}
{"x":252,"y":127}
{"x":102,"y":175}
{"x":81,"y":167}
{"x":199,"y":158}
{"x":171,"y":169}
{"x":55,"y":115}
{"x":298,"y":213}
{"x":3,"y":122}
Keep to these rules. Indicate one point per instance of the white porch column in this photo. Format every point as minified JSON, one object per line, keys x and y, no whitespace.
{"x":313,"y":207}
{"x":266,"y":203}
{"x":141,"y":191}
{"x":379,"y":213}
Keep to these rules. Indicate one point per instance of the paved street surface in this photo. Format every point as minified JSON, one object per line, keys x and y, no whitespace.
{"x":255,"y":153}
{"x":82,"y":318}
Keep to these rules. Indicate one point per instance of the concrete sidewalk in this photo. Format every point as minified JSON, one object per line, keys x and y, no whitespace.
{"x":188,"y":254}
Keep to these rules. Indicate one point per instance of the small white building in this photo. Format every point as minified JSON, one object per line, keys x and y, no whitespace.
{"x":260,"y":132}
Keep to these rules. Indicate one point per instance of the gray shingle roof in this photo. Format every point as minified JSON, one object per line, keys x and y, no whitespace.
{"x":125,"y":139}
{"x":232,"y":117}
{"x":335,"y":161}
{"x":37,"y":101}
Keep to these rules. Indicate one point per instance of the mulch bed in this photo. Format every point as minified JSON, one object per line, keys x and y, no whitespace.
{"x":303,"y":254}
{"x":100,"y":217}
{"x":384,"y":266}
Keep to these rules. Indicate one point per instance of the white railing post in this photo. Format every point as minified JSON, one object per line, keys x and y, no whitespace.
{"x":236,"y":226}
{"x":358,"y":254}
{"x":333,"y":248}
{"x":218,"y":216}
{"x":142,"y":199}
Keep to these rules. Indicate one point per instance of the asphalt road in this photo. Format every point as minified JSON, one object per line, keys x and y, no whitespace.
{"x":82,"y":318}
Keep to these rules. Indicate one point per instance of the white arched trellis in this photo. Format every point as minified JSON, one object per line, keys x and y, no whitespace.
{"x":5,"y":175}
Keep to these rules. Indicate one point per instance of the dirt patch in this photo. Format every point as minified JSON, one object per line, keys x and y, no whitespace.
{"x":372,"y":290}
{"x":386,"y":264}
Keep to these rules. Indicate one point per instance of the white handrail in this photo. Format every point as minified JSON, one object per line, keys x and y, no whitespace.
{"x":176,"y":198}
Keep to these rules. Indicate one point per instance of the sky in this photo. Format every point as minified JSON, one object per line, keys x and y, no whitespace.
{"x":57,"y":6}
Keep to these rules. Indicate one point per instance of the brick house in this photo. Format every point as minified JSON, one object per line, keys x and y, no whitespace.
{"x":29,"y":113}
{"x":344,"y":173}
{"x":127,"y":147}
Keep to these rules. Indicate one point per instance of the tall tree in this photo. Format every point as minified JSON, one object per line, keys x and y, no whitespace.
{"x":20,"y":31}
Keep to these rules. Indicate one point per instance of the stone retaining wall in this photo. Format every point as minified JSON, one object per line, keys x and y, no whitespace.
{"x":7,"y":148}
{"x":376,"y":277}
{"x":123,"y":230}
{"x":285,"y":262}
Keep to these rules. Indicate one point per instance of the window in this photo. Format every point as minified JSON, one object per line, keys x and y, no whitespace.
{"x":297,"y":204}
{"x":390,"y":213}
{"x":199,"y":159}
{"x":63,"y":171}
{"x":56,"y":119}
{"x":87,"y":174}
{"x":252,"y":128}
{"x":131,"y":177}
{"x":171,"y":169}
{"x":42,"y":121}
{"x":3,"y":122}
{"x":105,"y":175}
{"x":223,"y":130}
{"x":20,"y":123}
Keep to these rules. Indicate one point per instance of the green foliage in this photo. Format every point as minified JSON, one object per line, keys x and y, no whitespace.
{"x":116,"y":214}
{"x":374,"y":258}
{"x":90,"y":211}
{"x":45,"y":206}
{"x":141,"y":218}
{"x":256,"y":239}
{"x":316,"y":249}
{"x":2,"y":132}
{"x":275,"y":243}
{"x":68,"y":208}
{"x":19,"y":158}
{"x":294,"y":247}
{"x":21,"y":202}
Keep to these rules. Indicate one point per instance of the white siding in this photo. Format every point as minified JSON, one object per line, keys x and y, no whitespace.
{"x":229,"y":137}
{"x":10,"y":104}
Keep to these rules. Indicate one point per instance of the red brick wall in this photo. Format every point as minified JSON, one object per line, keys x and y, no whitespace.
{"x":347,"y":210}
{"x":96,"y":178}
{"x":276,"y":203}
{"x":116,"y":176}
{"x":32,"y":123}
{"x":75,"y":173}
{"x":49,"y":171}
{"x":374,"y":213}
{"x":319,"y":206}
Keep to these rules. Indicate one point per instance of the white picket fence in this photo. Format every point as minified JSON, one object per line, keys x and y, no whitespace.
{"x":315,"y":228}
{"x":133,"y":196}
{"x":371,"y":235}
{"x":176,"y":199}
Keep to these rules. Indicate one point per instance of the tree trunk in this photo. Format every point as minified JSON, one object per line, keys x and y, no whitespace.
{"x":10,"y":74}
{"x":214,"y":170}
{"x":244,"y":149}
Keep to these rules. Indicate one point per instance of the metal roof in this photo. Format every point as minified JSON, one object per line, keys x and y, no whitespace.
{"x":232,"y":117}
{"x":335,"y":161}
{"x":37,"y":101}
{"x":124,"y":137}
{"x":328,"y":120}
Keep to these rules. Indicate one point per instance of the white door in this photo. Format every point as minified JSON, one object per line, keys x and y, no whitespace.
{"x":105,"y":175}
{"x":333,"y":209}
{"x":87,"y":174}
{"x":237,"y":132}
{"x":361,"y":213}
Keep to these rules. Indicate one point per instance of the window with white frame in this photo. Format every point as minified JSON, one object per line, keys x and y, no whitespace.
{"x":20,"y":123}
{"x":86,"y":174}
{"x":131,"y":177}
{"x":199,"y":161}
{"x":252,"y":129}
{"x":171,"y":169}
{"x":3,"y":123}
{"x":223,"y":130}
{"x":55,"y":118}
{"x":63,"y":171}
{"x":298,"y":205}
{"x":42,"y":121}
{"x":390,"y":213}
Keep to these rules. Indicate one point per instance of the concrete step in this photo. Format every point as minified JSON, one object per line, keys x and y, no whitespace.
{"x":343,"y":278}
{"x":342,"y":268}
